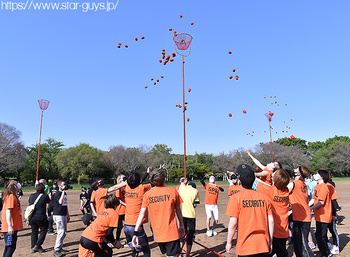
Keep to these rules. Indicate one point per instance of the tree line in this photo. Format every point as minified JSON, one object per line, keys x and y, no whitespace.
{"x":84,"y":162}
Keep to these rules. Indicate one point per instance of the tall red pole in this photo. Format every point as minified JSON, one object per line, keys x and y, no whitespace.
{"x":184,"y":110}
{"x":271,"y":140}
{"x":37,"y":166}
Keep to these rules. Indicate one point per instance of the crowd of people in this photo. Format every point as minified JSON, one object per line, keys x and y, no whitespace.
{"x":266,"y":208}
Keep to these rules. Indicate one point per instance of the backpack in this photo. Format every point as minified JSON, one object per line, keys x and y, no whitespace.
{"x":28,"y":213}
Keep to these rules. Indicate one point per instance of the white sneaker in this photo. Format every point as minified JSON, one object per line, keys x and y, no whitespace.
{"x":335,"y":250}
{"x":209,"y":233}
{"x":214,"y":232}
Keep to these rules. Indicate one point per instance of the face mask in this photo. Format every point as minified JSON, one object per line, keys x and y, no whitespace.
{"x":211,"y":179}
{"x":317,"y":177}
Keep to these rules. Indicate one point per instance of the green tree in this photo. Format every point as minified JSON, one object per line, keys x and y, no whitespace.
{"x":48,"y":167}
{"x":296,"y":142}
{"x":82,"y":160}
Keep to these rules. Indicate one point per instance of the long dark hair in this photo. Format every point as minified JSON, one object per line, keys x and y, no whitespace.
{"x":11,"y":188}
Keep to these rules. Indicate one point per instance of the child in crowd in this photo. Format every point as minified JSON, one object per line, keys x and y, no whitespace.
{"x":163,"y":205}
{"x":134,"y":193}
{"x":278,"y":195}
{"x":211,"y":203}
{"x":11,"y":217}
{"x":301,"y":213}
{"x":322,"y":206}
{"x":84,"y":201}
{"x":98,"y":196}
{"x":250,"y":212}
{"x":234,"y":187}
{"x":332,"y":226}
{"x":97,"y":239}
{"x":267,"y":171}
{"x":120,"y":194}
{"x":189,"y":195}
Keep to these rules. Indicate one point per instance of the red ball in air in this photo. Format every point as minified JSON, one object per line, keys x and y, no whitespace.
{"x":157,"y":80}
{"x":189,"y":90}
{"x":180,"y":15}
{"x":230,"y":114}
{"x":118,"y":46}
{"x":142,"y":37}
{"x":146,"y":86}
{"x":192,"y":23}
{"x":136,"y":39}
{"x":244,"y":111}
{"x":162,"y":76}
{"x":231,"y":77}
{"x":188,"y":119}
{"x":234,"y":70}
{"x":173,"y":54}
{"x":170,"y":29}
{"x":151,"y":79}
{"x":126,"y":46}
{"x":229,"y":52}
{"x":160,"y":61}
{"x":171,"y":60}
{"x":236,"y":77}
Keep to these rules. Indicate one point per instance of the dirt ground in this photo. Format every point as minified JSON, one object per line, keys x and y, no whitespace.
{"x":216,"y":243}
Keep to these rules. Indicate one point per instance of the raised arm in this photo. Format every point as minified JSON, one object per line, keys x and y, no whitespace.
{"x":255,"y":160}
{"x":202,"y":180}
{"x":144,"y":176}
{"x":116,"y":187}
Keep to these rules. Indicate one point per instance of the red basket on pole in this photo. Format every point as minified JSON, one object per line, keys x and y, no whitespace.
{"x":182,"y":44}
{"x":43,"y":104}
{"x":269,"y":117}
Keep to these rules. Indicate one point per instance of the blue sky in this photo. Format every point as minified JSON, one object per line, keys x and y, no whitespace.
{"x":297,"y":51}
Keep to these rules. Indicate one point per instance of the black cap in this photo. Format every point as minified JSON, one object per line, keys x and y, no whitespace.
{"x":246,"y":175}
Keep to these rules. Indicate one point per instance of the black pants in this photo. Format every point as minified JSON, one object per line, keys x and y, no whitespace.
{"x":120,"y":226}
{"x":332,"y":228}
{"x":279,"y":247}
{"x":87,"y":208}
{"x":321,"y":237}
{"x":190,"y":227}
{"x":10,"y":244}
{"x":300,"y":239}
{"x":143,"y":241}
{"x":50,"y":222}
{"x":36,"y":225}
{"x":100,"y":249}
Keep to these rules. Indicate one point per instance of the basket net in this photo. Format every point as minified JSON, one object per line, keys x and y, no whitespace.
{"x":183,"y":41}
{"x":268,"y":116}
{"x":43,"y":104}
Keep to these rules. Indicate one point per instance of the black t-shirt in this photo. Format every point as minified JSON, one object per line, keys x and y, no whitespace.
{"x":89,"y":193}
{"x":84,"y":196}
{"x":60,"y":209}
{"x":40,"y":207}
{"x":52,"y":191}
